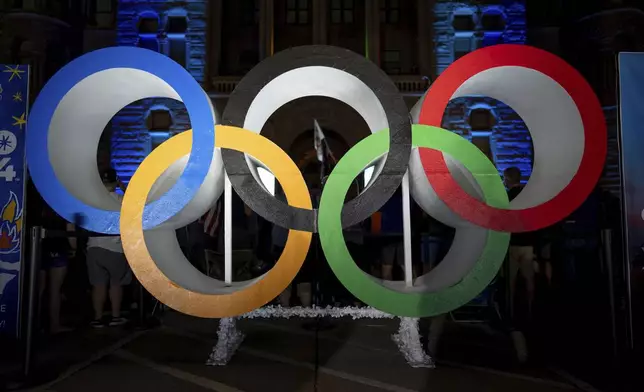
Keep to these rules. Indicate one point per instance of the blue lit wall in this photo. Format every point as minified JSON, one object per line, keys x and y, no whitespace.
{"x":509,"y":138}
{"x":131,"y":139}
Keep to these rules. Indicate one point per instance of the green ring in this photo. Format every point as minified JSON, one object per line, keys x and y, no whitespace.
{"x":367,"y":288}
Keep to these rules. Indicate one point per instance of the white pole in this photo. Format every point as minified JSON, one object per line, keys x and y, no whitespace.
{"x":228,"y":231}
{"x":409,"y":275}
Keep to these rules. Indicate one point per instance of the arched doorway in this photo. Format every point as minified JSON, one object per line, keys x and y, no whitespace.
{"x":292,"y":128}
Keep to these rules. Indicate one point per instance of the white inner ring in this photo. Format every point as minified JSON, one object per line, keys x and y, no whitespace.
{"x":551,"y":116}
{"x":79,"y":121}
{"x":555,"y":127}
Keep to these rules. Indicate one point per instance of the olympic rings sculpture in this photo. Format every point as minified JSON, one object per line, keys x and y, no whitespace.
{"x":449,"y":177}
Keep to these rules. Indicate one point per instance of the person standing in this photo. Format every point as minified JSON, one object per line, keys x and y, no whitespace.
{"x":521,"y":259}
{"x":56,"y":253}
{"x":107,"y":268}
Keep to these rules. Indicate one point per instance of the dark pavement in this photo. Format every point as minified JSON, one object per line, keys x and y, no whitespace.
{"x":279,"y":355}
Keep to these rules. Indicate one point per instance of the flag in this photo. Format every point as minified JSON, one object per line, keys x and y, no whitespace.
{"x":210,"y":220}
{"x":14,"y":87}
{"x":319,"y":142}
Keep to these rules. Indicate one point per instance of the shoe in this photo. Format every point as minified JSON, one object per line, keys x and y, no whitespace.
{"x":117,"y":321}
{"x":97,"y":324}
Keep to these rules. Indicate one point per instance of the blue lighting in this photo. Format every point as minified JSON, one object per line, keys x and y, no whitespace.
{"x":131,"y":139}
{"x":509,"y":139}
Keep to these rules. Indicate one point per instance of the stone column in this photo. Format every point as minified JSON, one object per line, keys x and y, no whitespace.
{"x":320,"y":21}
{"x":425,"y":10}
{"x":213,"y":45}
{"x":266,"y":28}
{"x":372,"y":23}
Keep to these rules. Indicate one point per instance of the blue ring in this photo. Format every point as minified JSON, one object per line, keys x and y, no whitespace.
{"x":194,"y":98}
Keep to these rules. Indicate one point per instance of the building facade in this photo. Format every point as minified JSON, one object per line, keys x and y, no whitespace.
{"x":412,"y":40}
{"x":219,"y":41}
{"x":47,"y":34}
{"x":459,"y":28}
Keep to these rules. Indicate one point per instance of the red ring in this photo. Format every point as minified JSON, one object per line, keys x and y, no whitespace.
{"x":595,"y":135}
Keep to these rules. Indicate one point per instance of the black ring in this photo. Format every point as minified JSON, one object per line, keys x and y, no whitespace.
{"x":398,"y":119}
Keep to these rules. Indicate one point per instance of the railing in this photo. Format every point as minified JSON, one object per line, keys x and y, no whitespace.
{"x":407,"y":84}
{"x":57,"y":16}
{"x":410,"y":84}
{"x":225,"y":84}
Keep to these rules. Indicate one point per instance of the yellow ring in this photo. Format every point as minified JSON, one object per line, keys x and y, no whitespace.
{"x":214,"y":305}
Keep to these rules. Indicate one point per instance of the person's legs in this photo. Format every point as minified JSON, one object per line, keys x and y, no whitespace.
{"x":387,"y":256}
{"x":198,"y":257}
{"x":435,"y":332}
{"x":285,"y":297}
{"x":120,"y":276}
{"x":56,"y":279}
{"x":513,"y":264}
{"x":307,"y":275}
{"x":99,"y":296}
{"x":98,"y":278}
{"x":116,"y":297}
{"x":433,"y":254}
{"x":521,"y":260}
{"x":520,"y":345}
{"x":400,"y":258}
{"x":526,"y":267}
{"x":304,"y":293}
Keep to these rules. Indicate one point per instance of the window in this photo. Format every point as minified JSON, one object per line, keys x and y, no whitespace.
{"x":250,"y":12}
{"x":464,"y":43}
{"x":157,"y":138}
{"x":148,"y":29}
{"x":389,"y":11}
{"x":391,"y":61}
{"x":177,"y":25}
{"x":481,"y":120}
{"x":341,"y":11}
{"x":297,"y":12}
{"x":176,"y":28}
{"x":483,"y":144}
{"x":148,"y":25}
{"x":159,"y":120}
{"x":103,"y":6}
{"x":463,"y":23}
{"x":493,"y":22}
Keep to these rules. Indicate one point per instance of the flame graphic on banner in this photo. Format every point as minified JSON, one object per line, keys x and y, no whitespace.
{"x":10,"y":225}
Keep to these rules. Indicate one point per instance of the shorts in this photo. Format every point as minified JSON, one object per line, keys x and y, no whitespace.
{"x":53,"y":259}
{"x":105,"y":266}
